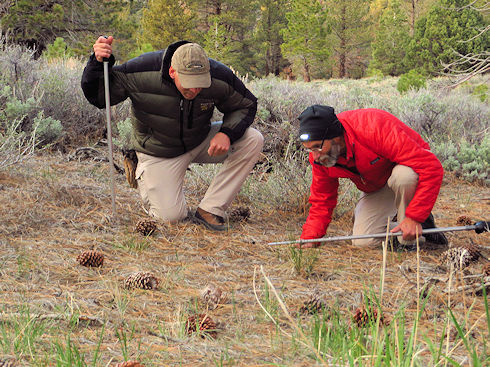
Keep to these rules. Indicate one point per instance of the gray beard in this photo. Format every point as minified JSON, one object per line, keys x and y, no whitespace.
{"x":329,"y":159}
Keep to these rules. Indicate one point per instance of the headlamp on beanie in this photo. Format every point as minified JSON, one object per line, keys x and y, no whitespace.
{"x":319,"y":122}
{"x":304,"y":137}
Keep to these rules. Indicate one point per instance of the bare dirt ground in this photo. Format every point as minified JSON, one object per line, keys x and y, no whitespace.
{"x":53,"y":209}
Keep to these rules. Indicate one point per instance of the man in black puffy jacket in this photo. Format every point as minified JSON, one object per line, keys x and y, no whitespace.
{"x":173,"y":94}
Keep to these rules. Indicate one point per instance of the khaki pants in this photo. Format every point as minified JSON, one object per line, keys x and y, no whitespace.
{"x":160,"y":180}
{"x":373,"y":209}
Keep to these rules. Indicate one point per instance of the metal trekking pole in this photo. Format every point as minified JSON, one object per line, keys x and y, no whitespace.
{"x":109,"y":134}
{"x":479,"y":227}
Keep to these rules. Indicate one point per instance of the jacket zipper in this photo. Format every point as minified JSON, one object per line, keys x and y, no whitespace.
{"x":354,"y":158}
{"x":191,"y":114}
{"x":181,"y":118}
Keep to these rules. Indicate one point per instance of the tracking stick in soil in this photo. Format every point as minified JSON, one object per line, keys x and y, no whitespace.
{"x":479,"y":227}
{"x":109,"y":134}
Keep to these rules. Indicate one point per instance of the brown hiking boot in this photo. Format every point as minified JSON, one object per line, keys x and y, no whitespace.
{"x":210,"y":220}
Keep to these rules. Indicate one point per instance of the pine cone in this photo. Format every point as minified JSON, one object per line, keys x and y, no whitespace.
{"x":146,"y":227}
{"x":240,"y":214}
{"x":473,"y":250}
{"x":363,"y":318}
{"x":212,"y":295}
{"x":206,"y":325}
{"x":130,"y":163}
{"x":463,"y":220}
{"x":91,"y":259}
{"x":130,"y":364}
{"x":314,"y":304}
{"x":143,"y":280}
{"x":486,"y":270}
{"x":8,"y":363}
{"x":459,"y":257}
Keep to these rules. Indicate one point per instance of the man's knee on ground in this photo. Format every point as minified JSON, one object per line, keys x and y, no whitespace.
{"x":170,"y":216}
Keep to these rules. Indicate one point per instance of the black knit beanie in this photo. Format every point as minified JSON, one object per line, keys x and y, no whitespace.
{"x":319,"y":122}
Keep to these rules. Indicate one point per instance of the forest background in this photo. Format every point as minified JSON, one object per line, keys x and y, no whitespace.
{"x":304,"y":39}
{"x":425,"y":61}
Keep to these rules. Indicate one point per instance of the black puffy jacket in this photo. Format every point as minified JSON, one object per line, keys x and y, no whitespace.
{"x":165,"y":124}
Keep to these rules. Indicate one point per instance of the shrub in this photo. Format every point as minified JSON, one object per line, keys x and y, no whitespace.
{"x":470,"y":161}
{"x":124,"y":134}
{"x":424,"y":111}
{"x":47,"y":129}
{"x":375,"y":73}
{"x":63,"y":100}
{"x":411,"y":80}
{"x":18,"y":69}
{"x":481,"y":92}
{"x":58,"y":50}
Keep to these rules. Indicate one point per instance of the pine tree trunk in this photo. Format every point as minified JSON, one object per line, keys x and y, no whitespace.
{"x":412,"y":19}
{"x":306,"y":67}
{"x":267,"y":62}
{"x":342,"y":50}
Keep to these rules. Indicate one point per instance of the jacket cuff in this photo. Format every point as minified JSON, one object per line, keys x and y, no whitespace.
{"x":230,"y":133}
{"x":97,"y":65}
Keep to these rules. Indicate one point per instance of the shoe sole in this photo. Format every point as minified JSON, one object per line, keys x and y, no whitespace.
{"x":210,"y":226}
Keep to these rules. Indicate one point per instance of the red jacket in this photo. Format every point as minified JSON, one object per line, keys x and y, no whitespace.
{"x":376,"y":141}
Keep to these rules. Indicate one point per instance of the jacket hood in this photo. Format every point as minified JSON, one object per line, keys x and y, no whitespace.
{"x":167,"y":59}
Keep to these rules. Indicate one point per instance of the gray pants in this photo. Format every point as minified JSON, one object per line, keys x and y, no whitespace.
{"x":373,"y":209}
{"x":160,"y":180}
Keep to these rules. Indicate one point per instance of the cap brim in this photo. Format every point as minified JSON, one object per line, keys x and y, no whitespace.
{"x":195,"y":81}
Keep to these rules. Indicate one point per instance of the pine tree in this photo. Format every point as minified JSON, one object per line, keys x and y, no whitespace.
{"x":450,"y":28}
{"x":305,"y":35}
{"x":391,"y":40}
{"x":37,"y":23}
{"x":227,"y":31}
{"x":58,"y":49}
{"x":351,"y":31}
{"x":216,"y":43}
{"x":268,"y":38}
{"x":167,"y":21}
{"x":127,"y":31}
{"x":34,"y":23}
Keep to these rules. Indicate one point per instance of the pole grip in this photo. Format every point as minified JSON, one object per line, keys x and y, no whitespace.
{"x":105,"y":59}
{"x":482,"y":226}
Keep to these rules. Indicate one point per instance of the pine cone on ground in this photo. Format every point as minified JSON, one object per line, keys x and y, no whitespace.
{"x":143,"y":280}
{"x":486,"y":270}
{"x":130,"y":163}
{"x":458,"y":257}
{"x":473,"y":250}
{"x":314,"y":304}
{"x":240,"y":214}
{"x":463,"y":220}
{"x":130,"y":364}
{"x":8,"y":363}
{"x":146,"y":227}
{"x":212,"y":295}
{"x":91,"y":259}
{"x":363,"y":318}
{"x":206,"y":325}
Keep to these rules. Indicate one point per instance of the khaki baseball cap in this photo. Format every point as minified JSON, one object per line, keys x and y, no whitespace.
{"x":192,"y":65}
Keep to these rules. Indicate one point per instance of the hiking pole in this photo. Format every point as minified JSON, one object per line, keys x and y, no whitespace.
{"x":479,"y":227}
{"x":109,"y":133}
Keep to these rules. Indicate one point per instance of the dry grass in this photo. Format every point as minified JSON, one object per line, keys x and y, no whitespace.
{"x":53,"y":209}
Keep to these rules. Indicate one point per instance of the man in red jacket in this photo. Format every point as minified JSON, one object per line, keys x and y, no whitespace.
{"x":388,"y":161}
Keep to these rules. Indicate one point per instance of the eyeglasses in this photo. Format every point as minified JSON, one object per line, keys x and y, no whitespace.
{"x":318,"y":149}
{"x":315,"y":149}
